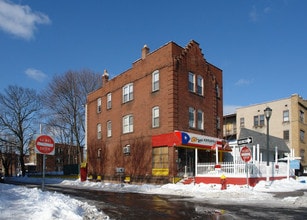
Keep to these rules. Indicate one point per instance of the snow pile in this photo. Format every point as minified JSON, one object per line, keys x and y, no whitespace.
{"x":24,"y":203}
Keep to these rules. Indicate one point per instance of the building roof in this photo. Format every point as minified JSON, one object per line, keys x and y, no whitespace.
{"x":260,"y":138}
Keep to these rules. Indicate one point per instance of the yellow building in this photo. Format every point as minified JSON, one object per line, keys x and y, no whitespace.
{"x":288,"y":121}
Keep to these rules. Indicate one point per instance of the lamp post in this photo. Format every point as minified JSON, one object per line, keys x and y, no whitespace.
{"x":267,"y":114}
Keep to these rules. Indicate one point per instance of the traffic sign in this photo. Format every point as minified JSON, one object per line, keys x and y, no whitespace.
{"x":246,"y":154}
{"x":44,"y":144}
{"x":247,"y":140}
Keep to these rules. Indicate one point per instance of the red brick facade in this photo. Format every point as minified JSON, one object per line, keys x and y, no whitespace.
{"x":105,"y":153}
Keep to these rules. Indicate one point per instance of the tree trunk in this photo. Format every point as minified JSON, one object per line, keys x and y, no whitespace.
{"x":22,"y":164}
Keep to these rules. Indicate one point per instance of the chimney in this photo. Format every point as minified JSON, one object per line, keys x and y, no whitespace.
{"x":105,"y":77}
{"x":145,"y":51}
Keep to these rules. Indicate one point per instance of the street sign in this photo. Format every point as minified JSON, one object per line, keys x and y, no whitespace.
{"x":246,"y":154}
{"x":44,"y":144}
{"x":247,"y":140}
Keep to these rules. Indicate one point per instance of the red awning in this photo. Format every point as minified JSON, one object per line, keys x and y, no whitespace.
{"x":168,"y":139}
{"x":185,"y":139}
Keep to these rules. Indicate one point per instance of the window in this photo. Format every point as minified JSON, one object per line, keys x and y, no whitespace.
{"x":302,"y":154}
{"x":109,"y":128}
{"x":242,"y":123}
{"x":218,"y":122}
{"x":286,"y":135}
{"x":160,"y":158}
{"x":98,"y":105}
{"x":127,"y":124}
{"x":261,"y":120}
{"x":155,"y":81}
{"x":191,"y":117}
{"x":98,"y":131}
{"x":285,"y":116}
{"x":191,"y":82}
{"x":200,"y":85}
{"x":200,"y":120}
{"x":302,"y":136}
{"x":258,"y":120}
{"x":155,"y":117}
{"x":109,"y":100}
{"x":128,"y":93}
{"x":302,"y":118}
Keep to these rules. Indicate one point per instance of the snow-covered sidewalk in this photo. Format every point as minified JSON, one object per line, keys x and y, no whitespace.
{"x":18,"y":202}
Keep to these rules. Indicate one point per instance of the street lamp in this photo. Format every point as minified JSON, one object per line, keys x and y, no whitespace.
{"x":267,"y":114}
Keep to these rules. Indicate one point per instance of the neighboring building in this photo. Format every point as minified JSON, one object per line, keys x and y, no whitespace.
{"x":64,"y":160}
{"x":288,"y":122}
{"x":230,"y":127}
{"x":147,"y":122}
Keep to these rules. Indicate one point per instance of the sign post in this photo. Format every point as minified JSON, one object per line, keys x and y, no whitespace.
{"x":246,"y":156}
{"x":44,"y":144}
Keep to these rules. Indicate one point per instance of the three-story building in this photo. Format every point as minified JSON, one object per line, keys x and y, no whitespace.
{"x":146,"y":122}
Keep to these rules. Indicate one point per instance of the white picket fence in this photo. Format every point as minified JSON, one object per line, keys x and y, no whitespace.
{"x":240,"y":169}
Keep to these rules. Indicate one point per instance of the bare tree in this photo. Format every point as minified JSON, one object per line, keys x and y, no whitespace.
{"x":18,"y":109}
{"x":8,"y":156}
{"x":65,"y":99}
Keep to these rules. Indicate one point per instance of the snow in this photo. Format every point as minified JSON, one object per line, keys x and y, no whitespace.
{"x":19,"y":202}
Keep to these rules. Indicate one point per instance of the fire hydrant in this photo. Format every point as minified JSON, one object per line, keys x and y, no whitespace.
{"x":223,"y":182}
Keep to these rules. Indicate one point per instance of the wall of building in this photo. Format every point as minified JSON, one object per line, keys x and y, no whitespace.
{"x":298,"y":124}
{"x":277,"y":125}
{"x":173,"y":98}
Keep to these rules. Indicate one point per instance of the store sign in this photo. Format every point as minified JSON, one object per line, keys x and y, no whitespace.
{"x":201,"y":140}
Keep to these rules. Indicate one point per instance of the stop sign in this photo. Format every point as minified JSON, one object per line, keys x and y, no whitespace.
{"x":246,"y":154}
{"x":44,"y":144}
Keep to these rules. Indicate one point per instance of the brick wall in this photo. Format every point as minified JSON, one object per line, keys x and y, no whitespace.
{"x":173,"y":99}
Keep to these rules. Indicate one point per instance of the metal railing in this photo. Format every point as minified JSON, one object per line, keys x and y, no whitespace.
{"x":258,"y":169}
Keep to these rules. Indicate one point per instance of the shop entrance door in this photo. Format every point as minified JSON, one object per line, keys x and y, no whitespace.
{"x":186,"y":162}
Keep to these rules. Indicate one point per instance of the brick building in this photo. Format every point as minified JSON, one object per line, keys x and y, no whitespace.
{"x":147,"y":122}
{"x":64,"y":160}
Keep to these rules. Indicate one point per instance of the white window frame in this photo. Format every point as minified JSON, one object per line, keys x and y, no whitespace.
{"x":99,"y":131}
{"x":191,"y":117}
{"x":218,"y":122}
{"x":155,"y":117}
{"x":200,"y":85}
{"x":127,"y":124}
{"x":191,"y":82}
{"x":109,"y":100}
{"x":155,"y":80}
{"x":99,"y":101}
{"x":200,"y":119}
{"x":285,"y":116}
{"x":128,"y":92}
{"x":109,"y":128}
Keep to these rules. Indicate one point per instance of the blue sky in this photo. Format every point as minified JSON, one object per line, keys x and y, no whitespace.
{"x":261,"y":45}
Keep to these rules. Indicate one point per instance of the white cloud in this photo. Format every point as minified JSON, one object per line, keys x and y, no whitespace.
{"x":243,"y":82}
{"x":36,"y":74}
{"x":20,"y":20}
{"x":253,"y":14}
{"x":267,"y":10}
{"x":229,"y":109}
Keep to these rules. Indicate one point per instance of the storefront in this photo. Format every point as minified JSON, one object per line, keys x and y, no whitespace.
{"x":176,"y":154}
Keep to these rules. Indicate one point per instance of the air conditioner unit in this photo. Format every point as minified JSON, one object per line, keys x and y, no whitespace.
{"x":126,"y":149}
{"x":120,"y":170}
